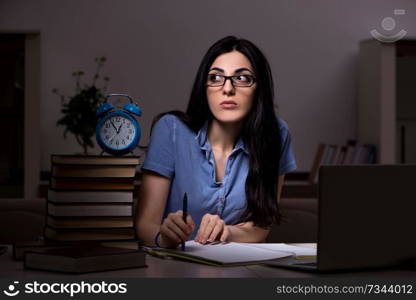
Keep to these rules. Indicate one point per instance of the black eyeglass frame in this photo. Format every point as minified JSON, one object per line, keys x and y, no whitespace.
{"x":232,"y":81}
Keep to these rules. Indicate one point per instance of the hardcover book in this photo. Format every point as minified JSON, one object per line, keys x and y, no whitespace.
{"x":93,"y":171}
{"x":89,"y":222}
{"x":75,"y":183}
{"x":74,"y":196}
{"x":84,"y":259}
{"x":86,"y":234}
{"x":94,"y":160}
{"x":116,"y":209}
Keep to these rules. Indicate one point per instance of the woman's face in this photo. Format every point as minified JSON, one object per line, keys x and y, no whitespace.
{"x":230,"y":102}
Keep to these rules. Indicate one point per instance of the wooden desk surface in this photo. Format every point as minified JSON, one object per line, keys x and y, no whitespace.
{"x":171,"y":268}
{"x":156,"y":268}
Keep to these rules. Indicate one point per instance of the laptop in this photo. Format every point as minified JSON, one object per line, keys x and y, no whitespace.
{"x":367,"y":218}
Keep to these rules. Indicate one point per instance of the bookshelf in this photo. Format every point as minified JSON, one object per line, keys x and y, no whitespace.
{"x":386,"y":99}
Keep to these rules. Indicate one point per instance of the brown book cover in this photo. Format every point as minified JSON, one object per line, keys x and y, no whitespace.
{"x":87,"y":234}
{"x":98,"y":171}
{"x":90,"y":209}
{"x":70,"y":183}
{"x":84,"y":259}
{"x":128,"y":244}
{"x":94,"y":160}
{"x":89,"y":222}
{"x":74,"y":196}
{"x":20,"y":247}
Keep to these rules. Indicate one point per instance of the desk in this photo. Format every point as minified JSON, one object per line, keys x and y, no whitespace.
{"x":171,"y":268}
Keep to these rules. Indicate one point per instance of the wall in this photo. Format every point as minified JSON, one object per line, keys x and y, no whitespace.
{"x":154,"y":48}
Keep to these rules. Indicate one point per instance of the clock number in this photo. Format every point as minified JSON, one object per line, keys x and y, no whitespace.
{"x":130,"y":131}
{"x":128,"y":137}
{"x":107,"y":125}
{"x":118,"y":119}
{"x":123,"y":142}
{"x":107,"y":137}
{"x":128,"y":125}
{"x":117,"y":143}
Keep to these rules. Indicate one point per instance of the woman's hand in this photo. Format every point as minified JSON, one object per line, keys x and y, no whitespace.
{"x":212,"y":228}
{"x":174,"y":230}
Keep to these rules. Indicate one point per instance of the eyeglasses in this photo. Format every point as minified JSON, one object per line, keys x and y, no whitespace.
{"x":242,"y":80}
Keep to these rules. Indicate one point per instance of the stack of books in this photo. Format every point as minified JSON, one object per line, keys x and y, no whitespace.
{"x":352,"y":153}
{"x":90,"y":198}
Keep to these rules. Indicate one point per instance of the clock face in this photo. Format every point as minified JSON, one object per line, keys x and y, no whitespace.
{"x":117,"y":132}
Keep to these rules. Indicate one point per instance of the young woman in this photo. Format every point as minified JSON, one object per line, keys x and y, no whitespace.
{"x":228,"y":152}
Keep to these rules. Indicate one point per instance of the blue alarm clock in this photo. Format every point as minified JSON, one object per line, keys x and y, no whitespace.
{"x":118,"y":132}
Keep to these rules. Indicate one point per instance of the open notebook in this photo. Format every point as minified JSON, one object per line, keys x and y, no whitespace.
{"x":232,"y":254}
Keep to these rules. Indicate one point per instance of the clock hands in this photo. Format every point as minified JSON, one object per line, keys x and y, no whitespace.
{"x":114,"y":126}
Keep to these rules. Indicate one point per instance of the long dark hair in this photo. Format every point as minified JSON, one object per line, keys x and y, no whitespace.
{"x":260,"y":131}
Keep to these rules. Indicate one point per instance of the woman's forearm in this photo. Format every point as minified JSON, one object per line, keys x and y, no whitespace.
{"x":247,"y":233}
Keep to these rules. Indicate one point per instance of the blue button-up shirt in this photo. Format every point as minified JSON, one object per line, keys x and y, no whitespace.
{"x":178,"y":153}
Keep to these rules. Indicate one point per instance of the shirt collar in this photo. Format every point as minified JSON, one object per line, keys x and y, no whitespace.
{"x":202,"y":139}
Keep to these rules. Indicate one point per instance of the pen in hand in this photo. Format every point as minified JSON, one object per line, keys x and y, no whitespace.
{"x":184,"y":214}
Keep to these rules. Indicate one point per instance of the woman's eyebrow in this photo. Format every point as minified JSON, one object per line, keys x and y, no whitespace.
{"x":239,"y":70}
{"x":217,"y":69}
{"x":242,"y":69}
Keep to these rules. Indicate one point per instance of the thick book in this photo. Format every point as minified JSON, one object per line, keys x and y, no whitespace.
{"x":89,"y":222}
{"x":73,"y":196}
{"x":74,"y":183}
{"x":90,"y":210}
{"x":87,"y":234}
{"x":94,"y":160}
{"x":93,"y":171}
{"x":84,"y":259}
{"x":21,"y":247}
{"x":127,"y":244}
{"x":222,"y":254}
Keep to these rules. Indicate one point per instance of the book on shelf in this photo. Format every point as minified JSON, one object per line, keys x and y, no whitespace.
{"x":365,"y":154}
{"x":84,"y":259}
{"x":233,"y":254}
{"x":350,"y":154}
{"x":325,"y":155}
{"x":94,"y":160}
{"x":313,"y":175}
{"x":90,"y":210}
{"x":88,"y":222}
{"x":89,"y":234}
{"x":74,"y":183}
{"x":75,"y":196}
{"x":332,"y":149}
{"x":341,"y":157}
{"x":93,"y":171}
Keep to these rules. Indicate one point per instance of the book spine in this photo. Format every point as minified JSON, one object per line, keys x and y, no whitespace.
{"x":75,"y":196}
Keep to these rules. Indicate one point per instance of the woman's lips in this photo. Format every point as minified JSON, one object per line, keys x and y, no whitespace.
{"x":228,"y":104}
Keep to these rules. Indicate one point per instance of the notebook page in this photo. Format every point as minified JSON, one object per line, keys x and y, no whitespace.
{"x":296,"y":250}
{"x":229,"y":253}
